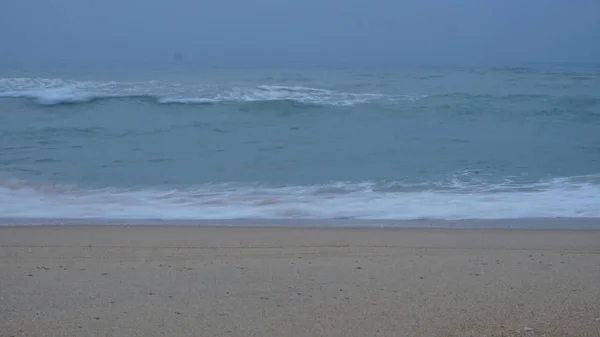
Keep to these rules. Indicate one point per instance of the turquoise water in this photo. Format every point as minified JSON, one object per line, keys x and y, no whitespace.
{"x":183,"y":143}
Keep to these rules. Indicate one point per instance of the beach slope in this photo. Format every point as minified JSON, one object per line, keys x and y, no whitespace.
{"x":230,"y":281}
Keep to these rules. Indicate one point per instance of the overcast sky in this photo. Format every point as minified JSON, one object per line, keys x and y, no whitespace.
{"x":248,"y":31}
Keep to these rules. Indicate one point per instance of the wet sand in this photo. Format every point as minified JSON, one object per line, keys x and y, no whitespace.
{"x":230,"y":281}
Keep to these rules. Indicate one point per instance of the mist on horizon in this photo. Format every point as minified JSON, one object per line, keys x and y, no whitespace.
{"x":309,"y":32}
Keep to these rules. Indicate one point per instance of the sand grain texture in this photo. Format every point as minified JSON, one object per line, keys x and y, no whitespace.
{"x":211,"y":281}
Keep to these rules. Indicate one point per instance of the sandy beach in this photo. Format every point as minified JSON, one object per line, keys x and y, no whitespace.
{"x":231,"y":281}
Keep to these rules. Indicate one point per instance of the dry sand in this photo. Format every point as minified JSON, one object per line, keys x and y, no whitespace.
{"x":219,"y":281}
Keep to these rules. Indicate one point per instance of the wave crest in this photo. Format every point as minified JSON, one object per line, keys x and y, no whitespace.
{"x":54,"y":96}
{"x":56,"y":92}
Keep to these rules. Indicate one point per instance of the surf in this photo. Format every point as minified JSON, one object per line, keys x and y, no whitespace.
{"x":568,"y":197}
{"x":52,"y":92}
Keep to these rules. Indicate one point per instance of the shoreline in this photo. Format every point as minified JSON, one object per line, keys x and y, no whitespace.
{"x":214,"y":237}
{"x":135,"y":280}
{"x":509,"y":223}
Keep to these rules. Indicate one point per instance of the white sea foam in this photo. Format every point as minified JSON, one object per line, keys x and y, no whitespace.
{"x":46,"y":91}
{"x":188,"y":100}
{"x":564,"y":197}
{"x":278,"y":93}
{"x":53,"y":96}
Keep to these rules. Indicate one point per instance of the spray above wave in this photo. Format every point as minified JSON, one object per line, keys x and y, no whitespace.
{"x":560,"y":197}
{"x":56,"y":92}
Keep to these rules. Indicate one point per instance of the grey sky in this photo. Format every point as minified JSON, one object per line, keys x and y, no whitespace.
{"x":242,"y":31}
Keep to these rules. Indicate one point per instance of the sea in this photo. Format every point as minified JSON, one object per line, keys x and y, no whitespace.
{"x":367,"y":145}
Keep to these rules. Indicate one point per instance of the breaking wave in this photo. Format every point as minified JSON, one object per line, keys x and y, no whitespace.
{"x":575,"y":197}
{"x":57,"y":92}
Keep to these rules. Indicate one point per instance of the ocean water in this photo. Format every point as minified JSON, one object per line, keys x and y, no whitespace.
{"x":182,"y":143}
